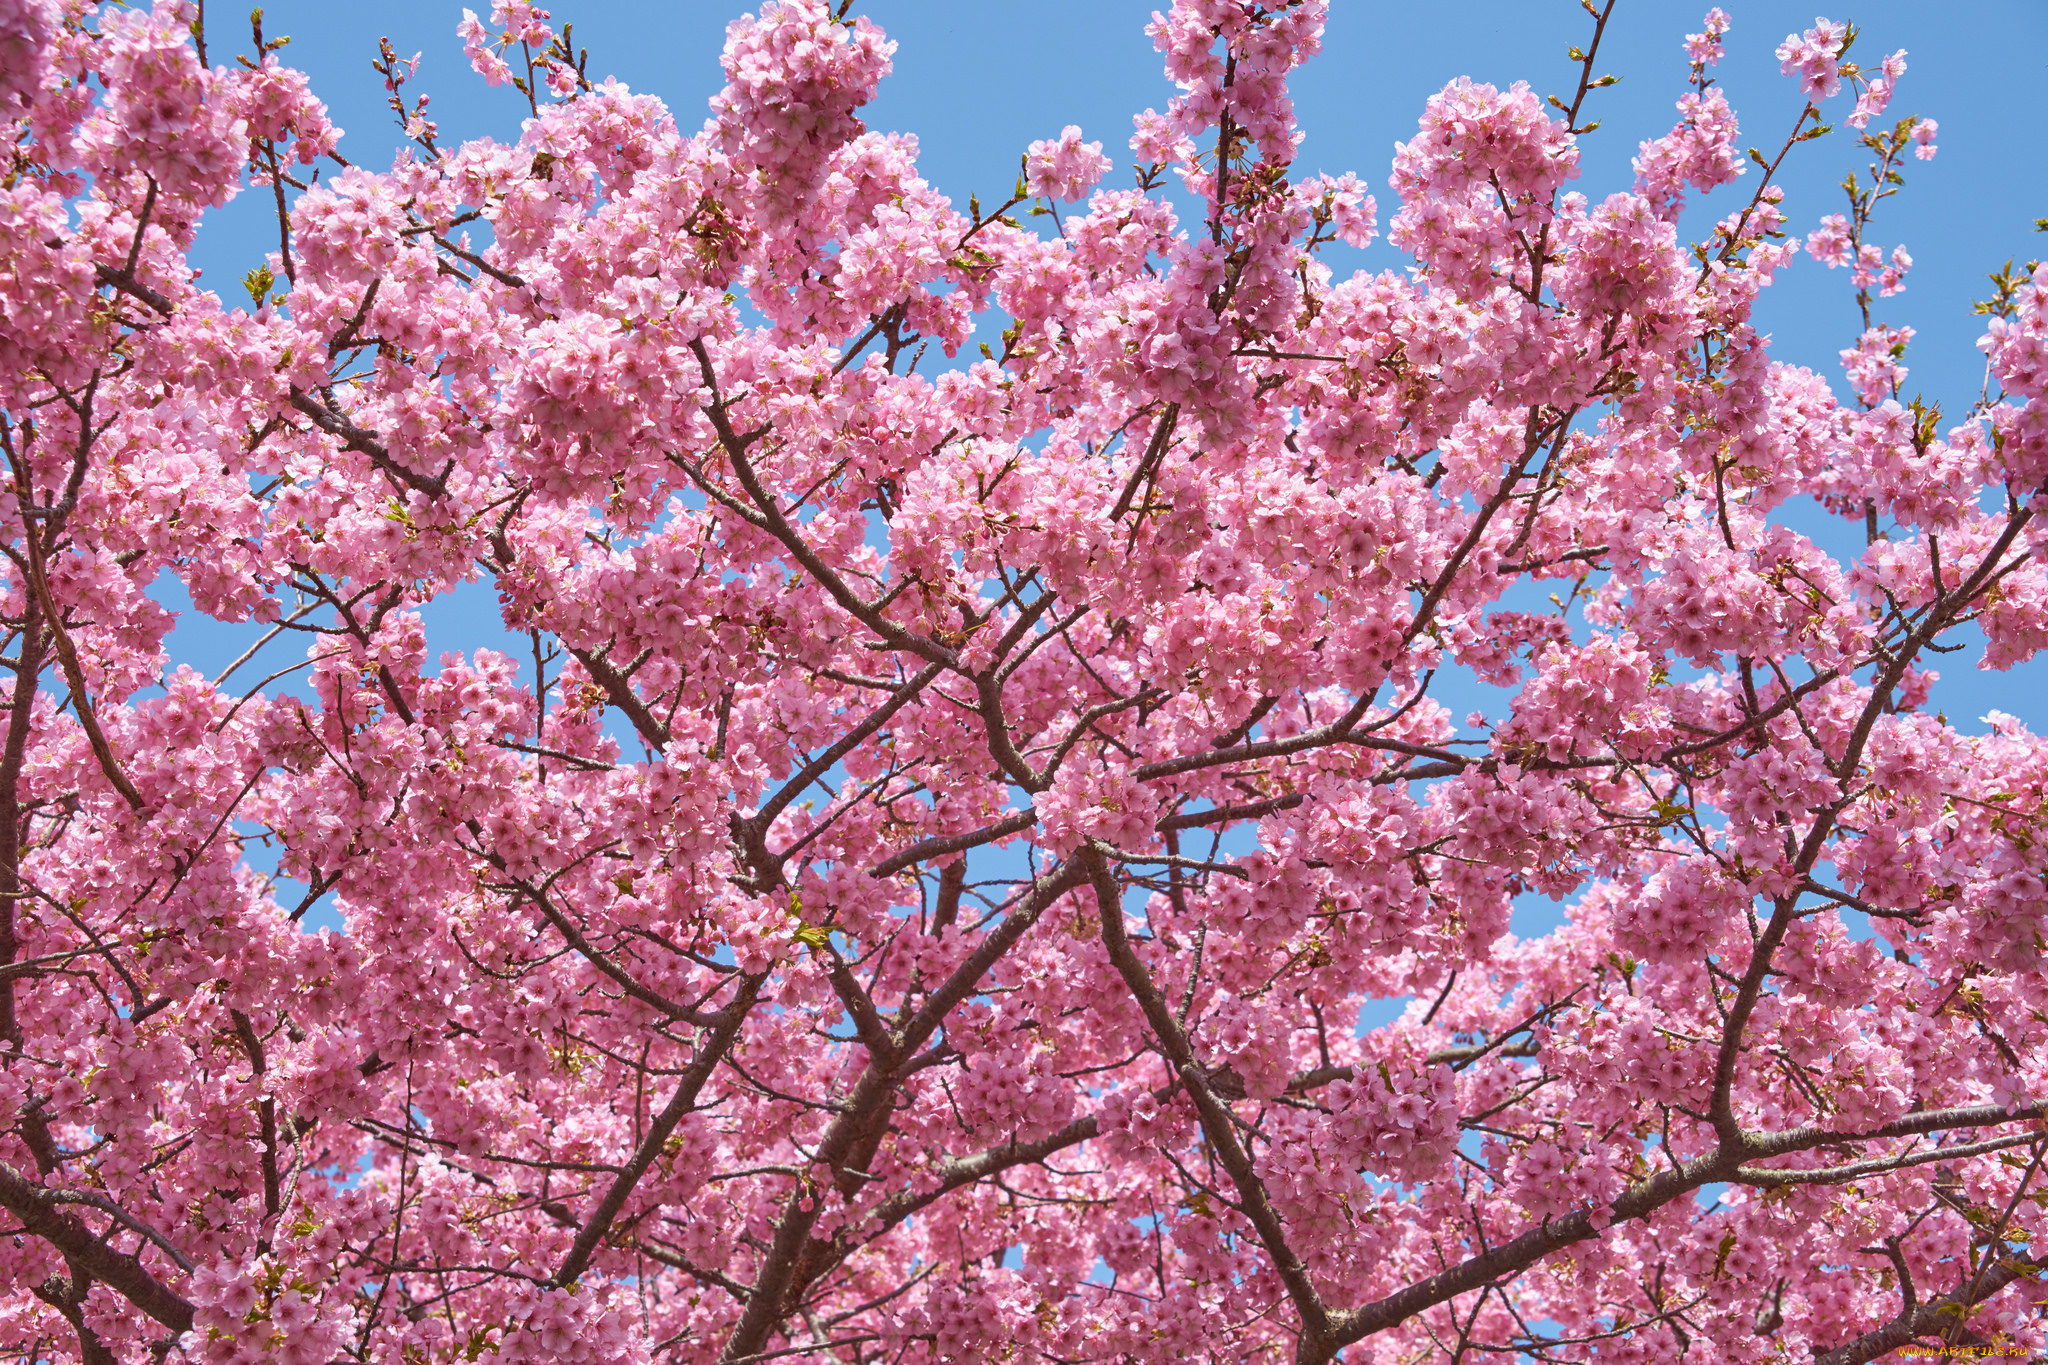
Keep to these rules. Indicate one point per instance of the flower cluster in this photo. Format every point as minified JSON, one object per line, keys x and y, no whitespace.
{"x":1066,"y":168}
{"x":1815,"y":56}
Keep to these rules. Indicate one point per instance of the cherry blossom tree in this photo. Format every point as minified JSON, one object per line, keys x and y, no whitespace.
{"x":912,"y":896}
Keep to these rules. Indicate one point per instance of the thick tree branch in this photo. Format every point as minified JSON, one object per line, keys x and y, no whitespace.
{"x":40,"y":1212}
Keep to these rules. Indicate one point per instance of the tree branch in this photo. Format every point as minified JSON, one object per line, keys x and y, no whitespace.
{"x":39,"y":1212}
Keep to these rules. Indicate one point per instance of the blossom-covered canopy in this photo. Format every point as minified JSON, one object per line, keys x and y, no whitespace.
{"x":912,"y":895}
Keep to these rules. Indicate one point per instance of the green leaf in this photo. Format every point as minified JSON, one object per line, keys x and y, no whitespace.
{"x":258,"y":281}
{"x":1721,"y":1255}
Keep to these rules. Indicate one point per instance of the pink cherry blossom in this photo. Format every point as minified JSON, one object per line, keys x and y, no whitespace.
{"x":26,"y":28}
{"x":1065,"y":168}
{"x":475,"y":45}
{"x":1705,"y":49}
{"x":1815,"y":57}
{"x":1829,"y":243}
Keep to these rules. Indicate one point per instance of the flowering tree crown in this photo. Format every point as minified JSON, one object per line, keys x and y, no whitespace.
{"x":915,"y":900}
